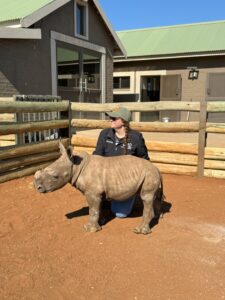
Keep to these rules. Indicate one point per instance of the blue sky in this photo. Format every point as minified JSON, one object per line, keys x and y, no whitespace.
{"x":133,"y":14}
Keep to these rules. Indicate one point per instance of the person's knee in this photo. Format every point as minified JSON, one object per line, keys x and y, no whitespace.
{"x":122,"y":209}
{"x":120,"y":215}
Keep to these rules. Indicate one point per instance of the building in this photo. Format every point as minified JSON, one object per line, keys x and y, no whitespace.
{"x":181,"y":63}
{"x":57,"y":47}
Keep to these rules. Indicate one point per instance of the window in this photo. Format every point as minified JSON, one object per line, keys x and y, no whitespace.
{"x":81,"y":19}
{"x":216,"y":86}
{"x":215,"y":92}
{"x":121,"y":82}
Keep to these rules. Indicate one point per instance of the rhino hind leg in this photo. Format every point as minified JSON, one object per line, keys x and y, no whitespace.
{"x":94,"y":209}
{"x":148,"y":214}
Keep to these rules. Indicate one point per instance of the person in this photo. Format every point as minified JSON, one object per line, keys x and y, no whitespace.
{"x":117,"y":140}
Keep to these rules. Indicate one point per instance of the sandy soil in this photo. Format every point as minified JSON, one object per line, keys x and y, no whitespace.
{"x":46,"y":254}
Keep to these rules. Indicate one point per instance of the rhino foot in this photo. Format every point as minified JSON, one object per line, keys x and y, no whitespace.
{"x":92,"y":228}
{"x":142,"y":230}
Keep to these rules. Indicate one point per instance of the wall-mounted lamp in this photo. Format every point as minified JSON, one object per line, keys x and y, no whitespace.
{"x":193,"y":73}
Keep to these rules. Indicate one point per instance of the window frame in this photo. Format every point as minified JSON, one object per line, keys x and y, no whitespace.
{"x":85,"y":21}
{"x":209,"y":86}
{"x":120,"y":83}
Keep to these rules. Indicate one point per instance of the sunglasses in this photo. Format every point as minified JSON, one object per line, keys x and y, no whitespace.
{"x":113,"y":118}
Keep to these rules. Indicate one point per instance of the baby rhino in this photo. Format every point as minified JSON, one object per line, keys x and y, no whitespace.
{"x":98,"y":177}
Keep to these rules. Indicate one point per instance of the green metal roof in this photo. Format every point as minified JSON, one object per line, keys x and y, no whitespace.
{"x":11,"y":10}
{"x":188,"y":38}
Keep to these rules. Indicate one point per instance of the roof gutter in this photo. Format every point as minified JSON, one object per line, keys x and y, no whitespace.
{"x":130,"y":59}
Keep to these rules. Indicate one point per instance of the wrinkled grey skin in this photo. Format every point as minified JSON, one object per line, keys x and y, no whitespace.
{"x":116,"y":178}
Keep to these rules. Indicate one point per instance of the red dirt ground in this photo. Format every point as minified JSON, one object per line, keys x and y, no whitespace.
{"x":46,"y":254}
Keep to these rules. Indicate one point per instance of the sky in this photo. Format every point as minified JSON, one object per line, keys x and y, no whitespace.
{"x":135,"y":14}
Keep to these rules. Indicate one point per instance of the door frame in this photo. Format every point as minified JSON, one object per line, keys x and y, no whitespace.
{"x":139,"y":76}
{"x":56,"y":36}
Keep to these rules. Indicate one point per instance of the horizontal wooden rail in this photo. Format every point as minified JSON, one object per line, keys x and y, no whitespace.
{"x":174,"y":158}
{"x":138,"y":106}
{"x":159,"y":157}
{"x":32,"y":126}
{"x":23,"y":172}
{"x":177,"y":169}
{"x":6,"y":143}
{"x":156,"y":157}
{"x":7,"y":165}
{"x":216,"y":106}
{"x":141,"y":126}
{"x":215,"y":153}
{"x":212,"y":106}
{"x":187,"y":148}
{"x":8,"y":99}
{"x":29,"y":106}
{"x":214,"y":173}
{"x":214,"y":164}
{"x":32,"y":149}
{"x":7,"y":117}
{"x":215,"y":127}
{"x":9,"y":137}
{"x":7,"y":105}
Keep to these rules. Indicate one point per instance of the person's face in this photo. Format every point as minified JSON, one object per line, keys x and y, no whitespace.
{"x":116,"y":123}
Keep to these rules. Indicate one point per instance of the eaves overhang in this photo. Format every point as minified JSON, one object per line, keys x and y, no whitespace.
{"x":19,"y":33}
{"x":42,"y":12}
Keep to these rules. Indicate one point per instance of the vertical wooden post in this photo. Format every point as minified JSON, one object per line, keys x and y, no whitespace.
{"x":202,"y":137}
{"x":70,"y":120}
{"x":19,"y":119}
{"x":66,"y":132}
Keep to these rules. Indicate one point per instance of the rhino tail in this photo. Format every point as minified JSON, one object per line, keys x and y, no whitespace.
{"x":159,"y":199}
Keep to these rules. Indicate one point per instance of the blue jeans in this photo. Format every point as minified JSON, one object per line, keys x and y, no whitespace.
{"x":121,"y":209}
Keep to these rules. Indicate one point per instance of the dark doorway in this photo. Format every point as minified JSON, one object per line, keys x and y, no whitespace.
{"x":150,"y":91}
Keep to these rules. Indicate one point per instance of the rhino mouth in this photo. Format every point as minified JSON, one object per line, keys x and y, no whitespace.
{"x":41,"y":188}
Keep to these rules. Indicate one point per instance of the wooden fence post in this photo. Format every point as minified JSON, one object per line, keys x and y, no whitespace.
{"x":19,"y":119}
{"x":66,"y":132}
{"x":202,"y":136}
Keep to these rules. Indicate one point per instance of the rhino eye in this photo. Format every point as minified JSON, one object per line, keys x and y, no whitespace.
{"x":56,"y":176}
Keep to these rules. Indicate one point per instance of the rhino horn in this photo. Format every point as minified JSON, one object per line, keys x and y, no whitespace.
{"x":38,"y":174}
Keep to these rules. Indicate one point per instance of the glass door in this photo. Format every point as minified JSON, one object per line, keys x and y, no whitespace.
{"x":79,"y":76}
{"x":91,"y":82}
{"x":69,"y":74}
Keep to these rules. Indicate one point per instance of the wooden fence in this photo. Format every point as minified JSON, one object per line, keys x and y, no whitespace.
{"x":170,"y":157}
{"x":26,"y":159}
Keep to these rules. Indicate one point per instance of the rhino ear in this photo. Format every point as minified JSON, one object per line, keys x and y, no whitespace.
{"x":70,"y":151}
{"x":62,"y":149}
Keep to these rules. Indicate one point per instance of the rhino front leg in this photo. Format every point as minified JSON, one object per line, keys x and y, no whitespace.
{"x":148,"y":215}
{"x":94,"y":208}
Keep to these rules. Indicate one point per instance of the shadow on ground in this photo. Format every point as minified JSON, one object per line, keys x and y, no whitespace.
{"x":106,"y":215}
